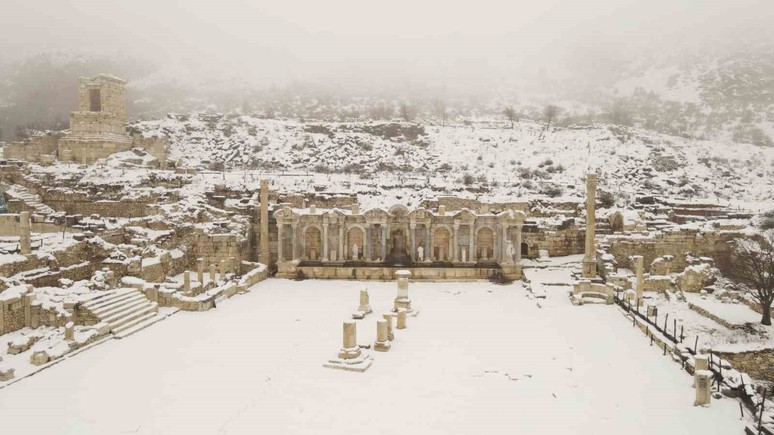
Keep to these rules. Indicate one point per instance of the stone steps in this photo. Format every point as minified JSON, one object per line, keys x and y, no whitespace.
{"x":109,"y":298}
{"x":138,"y":325}
{"x":123,"y":310}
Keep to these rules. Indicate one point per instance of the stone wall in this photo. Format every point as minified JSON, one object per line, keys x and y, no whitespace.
{"x":33,"y":148}
{"x":758,"y":364}
{"x":215,"y":247}
{"x":675,"y":243}
{"x":558,"y":243}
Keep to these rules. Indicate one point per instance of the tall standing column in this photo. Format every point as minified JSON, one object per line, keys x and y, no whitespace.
{"x":384,"y":241}
{"x":504,"y":245}
{"x":518,"y":244}
{"x":455,"y":243}
{"x":200,"y":271}
{"x":295,"y":242}
{"x":279,"y":242}
{"x":638,"y":266}
{"x":413,"y":241}
{"x":25,"y":234}
{"x":265,"y":255}
{"x":473,"y":249}
{"x":341,"y":242}
{"x":325,"y":242}
{"x":429,"y":243}
{"x":369,"y":233}
{"x":589,"y":260}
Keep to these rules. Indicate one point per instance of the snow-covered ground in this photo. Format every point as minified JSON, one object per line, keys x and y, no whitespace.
{"x":479,"y":358}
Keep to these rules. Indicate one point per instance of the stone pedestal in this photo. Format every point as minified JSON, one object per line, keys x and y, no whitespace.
{"x":701,"y":362}
{"x":388,"y":318}
{"x":402,"y":300}
{"x":350,"y":358}
{"x":70,"y":331}
{"x":703,"y":381}
{"x":382,"y":338}
{"x":401,"y":319}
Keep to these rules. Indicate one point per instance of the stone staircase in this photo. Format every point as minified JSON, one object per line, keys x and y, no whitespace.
{"x":126,"y":310}
{"x":32,"y":200}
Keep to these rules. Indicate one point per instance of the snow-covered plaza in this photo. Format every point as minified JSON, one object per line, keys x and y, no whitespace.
{"x":479,"y":358}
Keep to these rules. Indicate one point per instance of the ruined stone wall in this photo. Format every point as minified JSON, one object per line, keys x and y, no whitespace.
{"x":33,"y":148}
{"x":675,"y":243}
{"x":156,"y":146}
{"x":216,"y":247}
{"x":9,"y":226}
{"x":558,"y":243}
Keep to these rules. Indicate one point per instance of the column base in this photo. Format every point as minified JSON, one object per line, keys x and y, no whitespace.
{"x":349,"y":352}
{"x":382,"y":346}
{"x":589,"y":268}
{"x":359,"y":364}
{"x":402,"y":303}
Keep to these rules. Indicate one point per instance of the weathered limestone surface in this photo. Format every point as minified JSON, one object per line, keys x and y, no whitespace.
{"x":589,"y":260}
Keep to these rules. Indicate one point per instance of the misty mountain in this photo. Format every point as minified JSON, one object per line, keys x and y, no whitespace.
{"x":705,"y":92}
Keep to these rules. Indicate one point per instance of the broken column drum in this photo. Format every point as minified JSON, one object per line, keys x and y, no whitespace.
{"x":382,"y":337}
{"x":388,"y":317}
{"x":401,"y":319}
{"x":349,"y":348}
{"x":365,"y":305}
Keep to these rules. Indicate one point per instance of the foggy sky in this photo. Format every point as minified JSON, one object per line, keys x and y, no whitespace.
{"x":426,"y":40}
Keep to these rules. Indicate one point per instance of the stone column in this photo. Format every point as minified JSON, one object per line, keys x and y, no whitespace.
{"x":349,"y":348}
{"x":388,"y":318}
{"x":265,"y":254}
{"x":401,"y":319}
{"x":504,"y":245}
{"x":279,"y":242}
{"x":365,"y":304}
{"x":369,"y":233}
{"x":295,"y":242}
{"x":518,"y":244}
{"x":429,"y":254}
{"x":413,"y":241}
{"x":325,"y":242}
{"x":341,"y":242}
{"x":25,"y":234}
{"x":455,"y":244}
{"x":223,"y":270}
{"x":186,"y":281}
{"x":473,"y":249}
{"x":213,"y":273}
{"x":589,"y":260}
{"x":638,"y":267}
{"x":384,"y":241}
{"x":200,"y":271}
{"x":382,"y":337}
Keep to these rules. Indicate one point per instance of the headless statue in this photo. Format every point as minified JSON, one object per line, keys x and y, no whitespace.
{"x":355,"y":253}
{"x":420,"y":254}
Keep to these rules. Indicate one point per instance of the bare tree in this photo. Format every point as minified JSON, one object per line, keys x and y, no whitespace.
{"x":750,"y":262}
{"x":510,"y":114}
{"x":550,"y":113}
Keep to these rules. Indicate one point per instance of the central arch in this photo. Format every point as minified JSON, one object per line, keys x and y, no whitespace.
{"x":355,"y":237}
{"x":485,"y":244}
{"x":312,"y":243}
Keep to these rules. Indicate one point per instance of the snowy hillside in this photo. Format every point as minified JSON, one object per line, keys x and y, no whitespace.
{"x":473,"y":160}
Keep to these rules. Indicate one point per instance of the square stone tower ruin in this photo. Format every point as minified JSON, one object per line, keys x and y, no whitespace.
{"x":98,"y":128}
